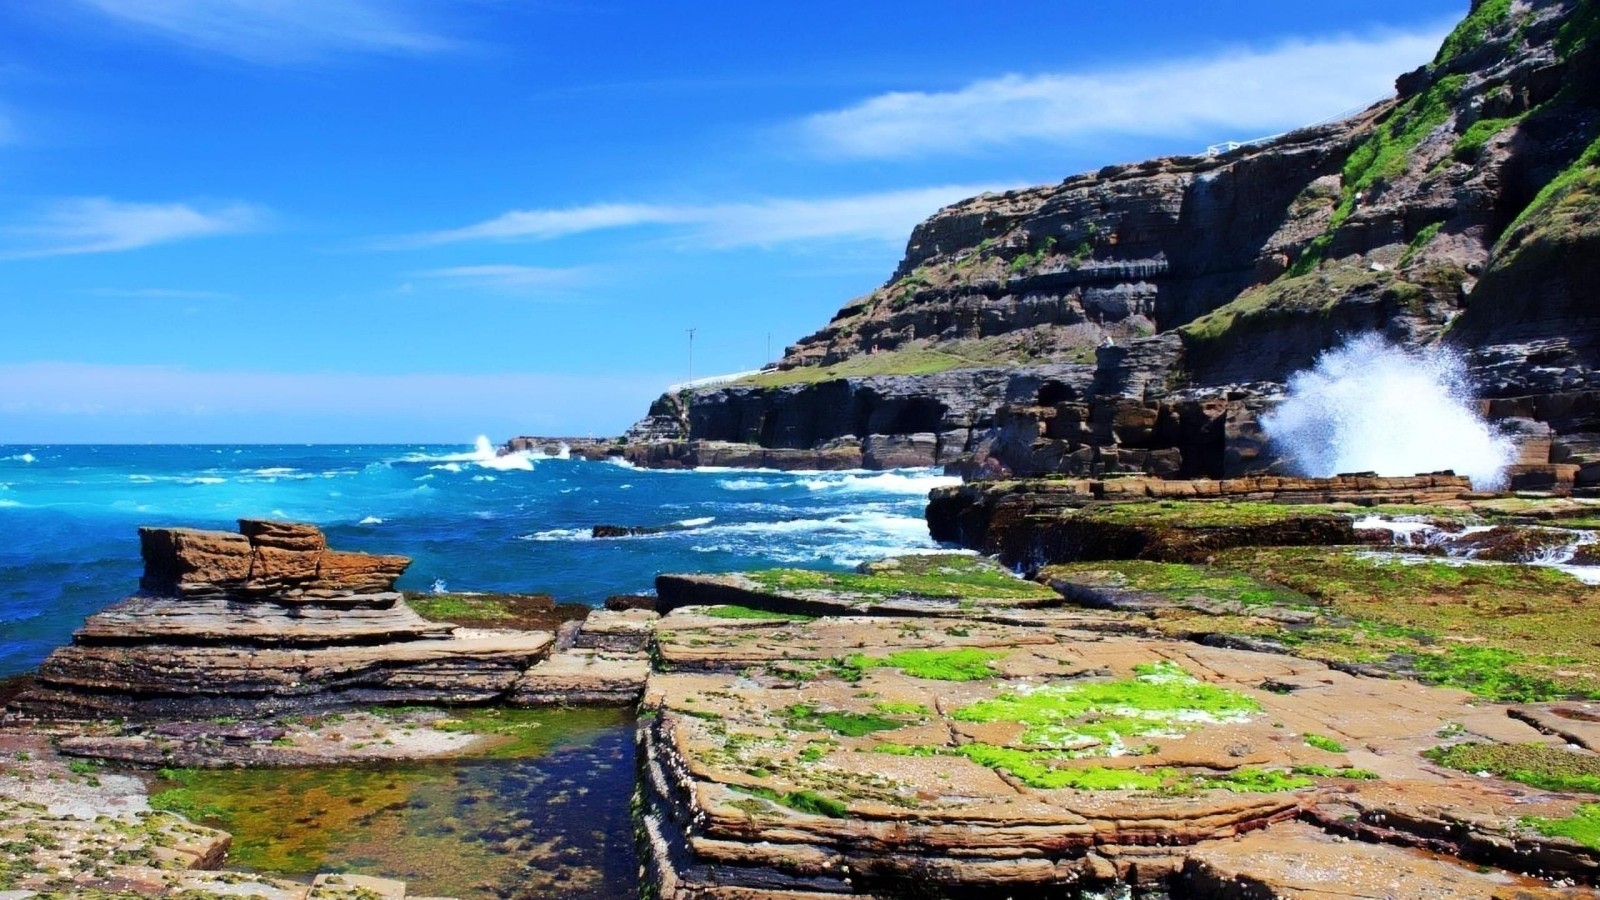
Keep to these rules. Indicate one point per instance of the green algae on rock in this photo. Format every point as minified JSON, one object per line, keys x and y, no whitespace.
{"x":955,"y":576}
{"x":962,"y":664}
{"x":1538,"y":765}
{"x":1162,"y":699}
{"x":1504,"y":631}
{"x":936,"y":584}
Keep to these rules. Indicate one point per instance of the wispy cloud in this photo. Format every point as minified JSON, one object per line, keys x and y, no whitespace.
{"x":1239,"y":95}
{"x":280,"y":31}
{"x":161,"y":294}
{"x":505,"y":278}
{"x":102,"y":225}
{"x":886,"y":216}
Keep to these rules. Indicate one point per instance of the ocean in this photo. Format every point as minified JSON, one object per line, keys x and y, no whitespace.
{"x":469,"y":519}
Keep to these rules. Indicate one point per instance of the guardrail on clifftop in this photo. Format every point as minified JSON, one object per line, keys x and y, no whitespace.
{"x":710,"y":381}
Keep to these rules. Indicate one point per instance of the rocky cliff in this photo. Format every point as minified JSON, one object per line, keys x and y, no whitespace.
{"x":1141,"y":316}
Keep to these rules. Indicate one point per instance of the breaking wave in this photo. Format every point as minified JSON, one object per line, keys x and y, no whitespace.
{"x":1370,"y":406}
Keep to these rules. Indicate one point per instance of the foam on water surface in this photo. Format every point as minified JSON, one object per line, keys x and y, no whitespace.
{"x":69,"y":542}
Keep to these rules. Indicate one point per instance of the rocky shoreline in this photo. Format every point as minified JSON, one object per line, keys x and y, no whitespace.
{"x":1257,"y":690}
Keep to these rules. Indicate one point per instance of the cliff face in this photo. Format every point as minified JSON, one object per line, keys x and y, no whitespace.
{"x":1147,"y":312}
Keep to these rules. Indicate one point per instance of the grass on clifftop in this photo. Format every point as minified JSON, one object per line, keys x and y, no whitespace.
{"x":937,"y":576}
{"x":910,"y":361}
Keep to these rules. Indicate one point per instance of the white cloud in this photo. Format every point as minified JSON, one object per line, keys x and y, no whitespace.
{"x":161,"y":294}
{"x":279,"y":31}
{"x":507,"y":278}
{"x":542,"y":224}
{"x":102,"y":225}
{"x":886,"y":216}
{"x":1237,"y":95}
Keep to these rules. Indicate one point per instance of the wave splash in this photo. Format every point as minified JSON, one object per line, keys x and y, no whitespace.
{"x":483,"y":454}
{"x":1370,"y":406}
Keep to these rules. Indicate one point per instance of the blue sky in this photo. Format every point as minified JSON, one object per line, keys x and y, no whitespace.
{"x":358,"y":220}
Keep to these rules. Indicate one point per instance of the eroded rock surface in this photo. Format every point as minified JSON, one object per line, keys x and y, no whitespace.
{"x":880,"y":755}
{"x":267,"y":621}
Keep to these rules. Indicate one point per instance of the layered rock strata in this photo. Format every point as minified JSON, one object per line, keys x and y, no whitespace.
{"x":1033,"y":523}
{"x":606,"y":664}
{"x":955,"y":757}
{"x":264,"y":621}
{"x":1166,"y":302}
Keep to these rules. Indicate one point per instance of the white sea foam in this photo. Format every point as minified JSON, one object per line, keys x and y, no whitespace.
{"x":22,"y":458}
{"x":1414,"y":532}
{"x":205,"y":479}
{"x":917,"y":482}
{"x":1369,"y":406}
{"x":558,"y":534}
{"x":749,"y":484}
{"x":483,"y":478}
{"x":483,"y":454}
{"x":695,"y":523}
{"x":847,"y":539}
{"x":370,"y":520}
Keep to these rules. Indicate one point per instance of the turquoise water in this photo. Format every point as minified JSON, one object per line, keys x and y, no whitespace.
{"x":469,"y":520}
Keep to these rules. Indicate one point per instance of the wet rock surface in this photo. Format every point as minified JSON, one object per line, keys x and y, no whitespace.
{"x":1037,"y":522}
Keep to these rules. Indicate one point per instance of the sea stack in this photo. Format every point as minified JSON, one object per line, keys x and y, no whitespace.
{"x":265,"y":621}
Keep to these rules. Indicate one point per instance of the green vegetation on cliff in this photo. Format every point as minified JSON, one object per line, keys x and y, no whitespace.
{"x":1565,"y":208}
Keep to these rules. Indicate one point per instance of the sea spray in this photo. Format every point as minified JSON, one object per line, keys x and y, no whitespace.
{"x":1370,"y":406}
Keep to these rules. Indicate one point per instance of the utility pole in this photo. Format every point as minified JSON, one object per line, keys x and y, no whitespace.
{"x":769,"y":349}
{"x":691,"y":352}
